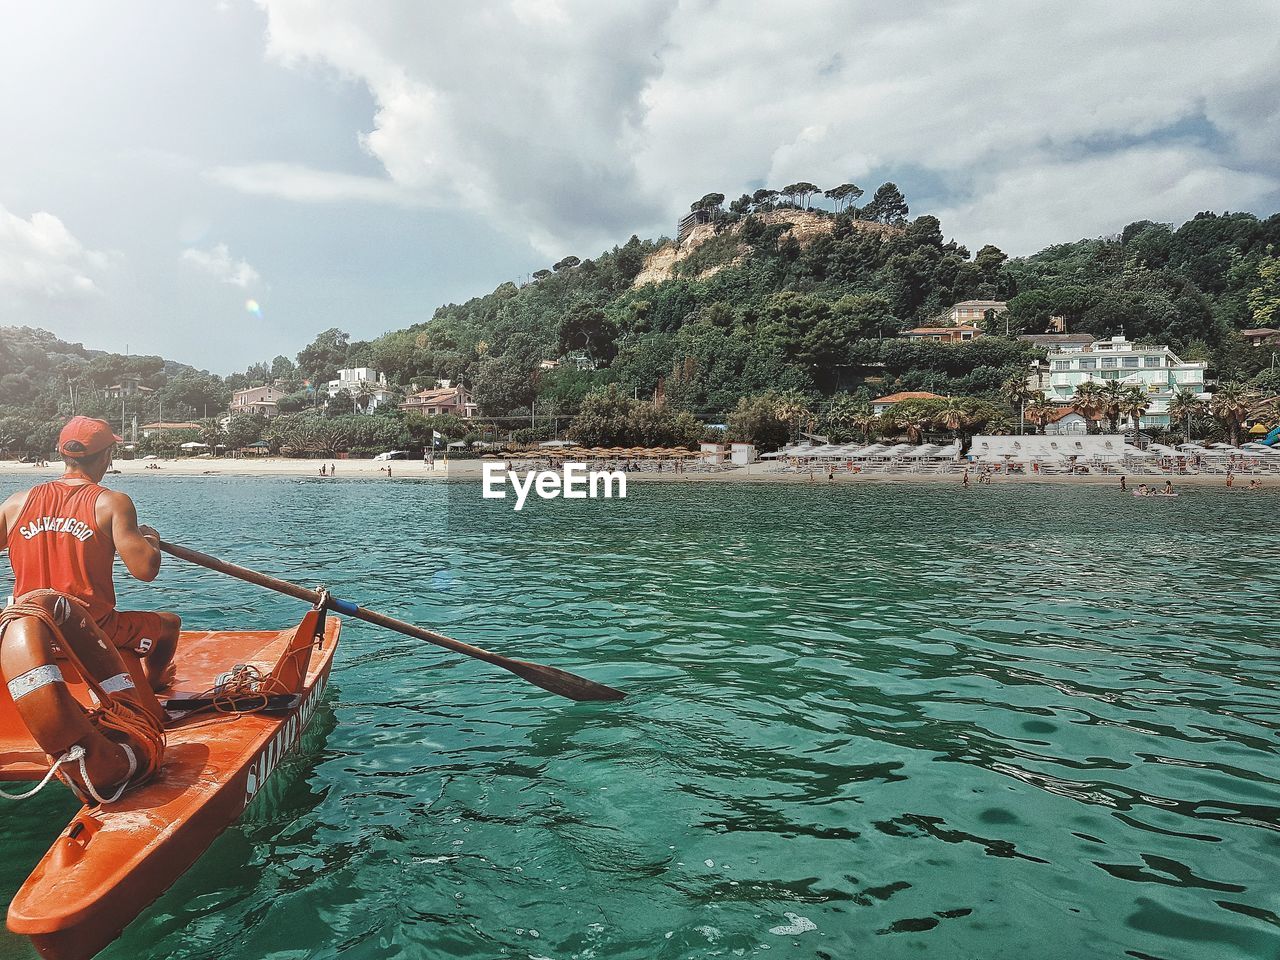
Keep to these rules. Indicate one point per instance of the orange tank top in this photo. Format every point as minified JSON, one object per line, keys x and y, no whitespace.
{"x":56,"y":545}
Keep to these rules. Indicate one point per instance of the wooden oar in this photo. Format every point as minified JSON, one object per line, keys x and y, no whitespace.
{"x":558,"y":681}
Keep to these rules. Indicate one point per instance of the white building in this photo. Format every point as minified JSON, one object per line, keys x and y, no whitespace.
{"x":1156,"y":369}
{"x":1047,"y":450}
{"x":366,"y":386}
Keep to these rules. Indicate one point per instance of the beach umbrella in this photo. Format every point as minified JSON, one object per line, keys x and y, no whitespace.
{"x":194,"y":445}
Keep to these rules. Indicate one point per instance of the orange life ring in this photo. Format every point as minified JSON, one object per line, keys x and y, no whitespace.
{"x":121,"y":741}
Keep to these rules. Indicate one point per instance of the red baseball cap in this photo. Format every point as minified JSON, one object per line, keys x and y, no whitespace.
{"x":85,"y":436}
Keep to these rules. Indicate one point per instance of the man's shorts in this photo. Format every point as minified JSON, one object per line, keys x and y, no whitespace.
{"x":133,"y":630}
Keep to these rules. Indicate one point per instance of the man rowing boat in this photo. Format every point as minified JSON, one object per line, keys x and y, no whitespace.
{"x":63,"y":535}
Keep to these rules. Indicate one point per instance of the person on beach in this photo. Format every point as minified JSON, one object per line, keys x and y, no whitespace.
{"x":1142,"y":490}
{"x":965,"y":480}
{"x":1231,"y":479}
{"x":64,"y":535}
{"x":1123,"y":484}
{"x":1168,"y":488}
{"x":322,"y":469}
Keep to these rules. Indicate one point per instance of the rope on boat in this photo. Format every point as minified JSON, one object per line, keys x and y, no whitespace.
{"x":119,"y":719}
{"x":72,"y":755}
{"x":75,"y":753}
{"x":124,"y":784}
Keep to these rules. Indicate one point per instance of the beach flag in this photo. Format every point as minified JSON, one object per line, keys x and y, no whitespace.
{"x":436,"y":437}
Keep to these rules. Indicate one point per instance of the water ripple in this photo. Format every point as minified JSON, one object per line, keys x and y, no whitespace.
{"x":868,"y":721}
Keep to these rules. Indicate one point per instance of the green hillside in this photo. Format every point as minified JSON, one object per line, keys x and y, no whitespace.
{"x":770,"y":298}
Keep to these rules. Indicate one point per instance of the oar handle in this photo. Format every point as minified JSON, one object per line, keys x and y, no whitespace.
{"x":557,"y":681}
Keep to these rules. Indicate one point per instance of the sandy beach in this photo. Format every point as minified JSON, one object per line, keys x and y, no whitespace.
{"x":766,"y":473}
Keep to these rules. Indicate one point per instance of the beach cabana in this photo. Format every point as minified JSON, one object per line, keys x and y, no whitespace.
{"x":861,"y":453}
{"x":897,"y":450}
{"x":922,"y":451}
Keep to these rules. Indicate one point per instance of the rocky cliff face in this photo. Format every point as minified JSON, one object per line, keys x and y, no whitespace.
{"x":806,"y":226}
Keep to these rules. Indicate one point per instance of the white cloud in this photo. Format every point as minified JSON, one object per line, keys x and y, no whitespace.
{"x":1144,"y":183}
{"x":576,"y":122}
{"x":41,"y":259}
{"x":219,"y":263}
{"x":304,"y":184}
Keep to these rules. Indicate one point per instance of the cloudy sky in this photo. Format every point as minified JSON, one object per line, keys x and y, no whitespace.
{"x":167,"y":166}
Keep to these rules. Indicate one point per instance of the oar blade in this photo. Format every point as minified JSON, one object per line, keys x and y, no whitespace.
{"x":563,"y":683}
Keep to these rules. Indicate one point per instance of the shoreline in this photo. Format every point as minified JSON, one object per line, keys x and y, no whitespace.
{"x":469,"y":470}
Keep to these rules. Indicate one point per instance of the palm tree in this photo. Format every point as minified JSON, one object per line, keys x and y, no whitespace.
{"x":1088,"y":400}
{"x":1231,"y":404}
{"x":914,"y":424}
{"x":1016,"y":391}
{"x":1039,"y":410}
{"x":792,"y":408}
{"x":953,"y":415}
{"x":1112,"y":397}
{"x":1184,"y":406}
{"x":1134,"y":406}
{"x":211,"y":432}
{"x":864,"y":423}
{"x":842,"y":414}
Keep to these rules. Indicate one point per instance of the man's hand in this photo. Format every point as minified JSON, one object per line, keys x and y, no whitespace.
{"x":149,"y":534}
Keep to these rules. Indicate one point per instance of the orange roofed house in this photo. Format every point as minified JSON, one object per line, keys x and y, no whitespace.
{"x":882,"y":404}
{"x":443,"y":398}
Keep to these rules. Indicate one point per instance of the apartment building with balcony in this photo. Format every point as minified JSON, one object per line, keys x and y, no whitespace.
{"x":1157,"y":369}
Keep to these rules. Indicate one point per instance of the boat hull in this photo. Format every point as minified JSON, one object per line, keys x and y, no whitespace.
{"x":111,"y":862}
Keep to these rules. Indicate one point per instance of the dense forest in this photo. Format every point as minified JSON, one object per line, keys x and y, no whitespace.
{"x":779,"y":311}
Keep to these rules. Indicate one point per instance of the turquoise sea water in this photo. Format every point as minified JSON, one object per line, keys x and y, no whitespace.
{"x":872,"y":721}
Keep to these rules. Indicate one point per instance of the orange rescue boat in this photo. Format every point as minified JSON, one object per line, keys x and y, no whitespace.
{"x":115,"y":859}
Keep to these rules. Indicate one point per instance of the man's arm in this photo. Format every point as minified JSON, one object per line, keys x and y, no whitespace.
{"x":10,"y":511}
{"x":139,"y":547}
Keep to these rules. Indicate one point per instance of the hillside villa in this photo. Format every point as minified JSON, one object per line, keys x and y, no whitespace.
{"x":444,"y":398}
{"x":128,"y":387}
{"x":1154,"y":368}
{"x":959,"y":334}
{"x":1261,"y":337}
{"x":259,"y":400}
{"x":970,"y":312}
{"x":363,"y":384}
